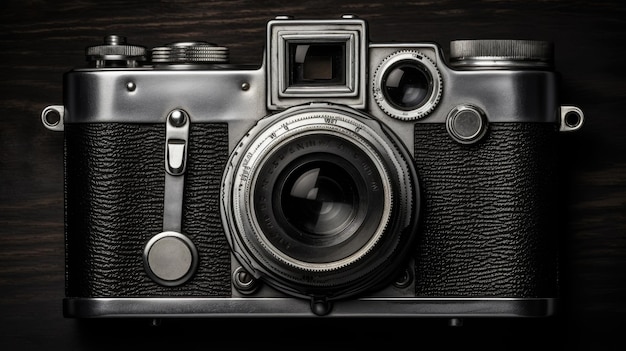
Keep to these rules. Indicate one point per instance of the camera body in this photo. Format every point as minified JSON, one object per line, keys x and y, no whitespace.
{"x":340,"y":177}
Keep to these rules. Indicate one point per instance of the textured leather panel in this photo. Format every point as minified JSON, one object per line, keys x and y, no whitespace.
{"x":114,"y":204}
{"x":489,"y":219}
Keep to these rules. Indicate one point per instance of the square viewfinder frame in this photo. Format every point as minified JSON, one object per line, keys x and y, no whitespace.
{"x":314,"y":64}
{"x":316,"y":60}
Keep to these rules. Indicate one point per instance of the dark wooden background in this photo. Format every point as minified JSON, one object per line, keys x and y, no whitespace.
{"x":40,"y":40}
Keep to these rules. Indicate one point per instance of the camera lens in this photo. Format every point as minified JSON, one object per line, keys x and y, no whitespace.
{"x":320,"y":200}
{"x":406,"y":85}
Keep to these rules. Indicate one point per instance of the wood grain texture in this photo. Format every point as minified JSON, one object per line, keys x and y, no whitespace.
{"x":40,"y":40}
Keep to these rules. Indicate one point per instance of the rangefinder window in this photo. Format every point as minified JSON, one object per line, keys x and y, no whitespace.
{"x":317,"y":64}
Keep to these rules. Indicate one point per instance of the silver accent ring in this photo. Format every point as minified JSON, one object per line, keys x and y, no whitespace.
{"x":420,"y":59}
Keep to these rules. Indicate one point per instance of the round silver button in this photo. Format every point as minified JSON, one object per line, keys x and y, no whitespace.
{"x":170,"y":258}
{"x":466,"y":124}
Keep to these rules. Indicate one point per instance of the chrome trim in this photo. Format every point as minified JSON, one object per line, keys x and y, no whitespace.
{"x":419,"y":59}
{"x":290,"y":307}
{"x":56,"y":126}
{"x":565,"y":124}
{"x":283,"y":30}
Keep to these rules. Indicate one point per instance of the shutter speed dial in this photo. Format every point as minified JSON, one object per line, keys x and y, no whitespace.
{"x":194,"y":52}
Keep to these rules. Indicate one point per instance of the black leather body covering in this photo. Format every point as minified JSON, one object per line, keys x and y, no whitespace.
{"x":488,"y":227}
{"x":114,"y":186}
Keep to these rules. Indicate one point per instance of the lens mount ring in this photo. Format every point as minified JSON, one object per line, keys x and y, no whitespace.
{"x":411,"y":94}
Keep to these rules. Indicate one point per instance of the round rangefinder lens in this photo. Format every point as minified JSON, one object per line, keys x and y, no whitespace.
{"x":406,"y":85}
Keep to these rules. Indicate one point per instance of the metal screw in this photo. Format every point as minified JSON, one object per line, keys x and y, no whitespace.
{"x":178,"y":118}
{"x":244,"y":281}
{"x":131,"y":86}
{"x":404,"y":279}
{"x":245,"y":86}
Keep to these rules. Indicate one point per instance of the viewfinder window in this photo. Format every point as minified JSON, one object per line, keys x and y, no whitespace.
{"x":317,"y":64}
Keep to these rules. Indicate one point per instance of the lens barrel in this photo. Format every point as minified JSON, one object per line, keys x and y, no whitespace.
{"x":320,"y":200}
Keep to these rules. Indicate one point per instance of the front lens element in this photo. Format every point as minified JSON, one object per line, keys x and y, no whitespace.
{"x":319,"y":199}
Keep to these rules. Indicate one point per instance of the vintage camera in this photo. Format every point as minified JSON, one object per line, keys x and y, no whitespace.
{"x":339,"y":178}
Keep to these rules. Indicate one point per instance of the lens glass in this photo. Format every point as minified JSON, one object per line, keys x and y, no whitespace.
{"x":319,"y":198}
{"x":314,"y":64}
{"x":407,"y":85}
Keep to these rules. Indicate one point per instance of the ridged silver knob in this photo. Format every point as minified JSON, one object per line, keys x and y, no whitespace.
{"x":115,"y":50}
{"x":197,"y":52}
{"x":501,"y":53}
